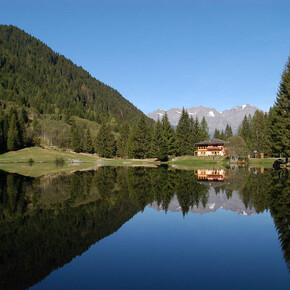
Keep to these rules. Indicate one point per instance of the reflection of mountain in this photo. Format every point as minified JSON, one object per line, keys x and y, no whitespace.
{"x":214,"y":202}
{"x":38,"y":241}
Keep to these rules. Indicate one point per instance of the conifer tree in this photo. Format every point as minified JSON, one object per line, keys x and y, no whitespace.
{"x":76,"y":138}
{"x":105,"y":143}
{"x":217,"y":134}
{"x":280,"y":116}
{"x":196,"y":131}
{"x":169,"y":136}
{"x":88,"y":144}
{"x":259,"y":132}
{"x":184,"y":141}
{"x":158,"y":145}
{"x":228,"y":131}
{"x":222,"y":135}
{"x":204,"y":135}
{"x":22,"y":120}
{"x":140,"y":140}
{"x":3,"y":134}
{"x":245,"y":131}
{"x":13,"y":140}
{"x":122,"y":141}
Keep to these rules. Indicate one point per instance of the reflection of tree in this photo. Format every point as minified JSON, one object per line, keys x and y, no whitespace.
{"x":189,"y":192}
{"x":55,"y":219}
{"x":279,"y":201}
{"x":53,"y":234}
{"x":270,"y":191}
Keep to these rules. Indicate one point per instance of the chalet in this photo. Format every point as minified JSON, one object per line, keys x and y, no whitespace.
{"x":212,"y":147}
{"x":210,"y":174}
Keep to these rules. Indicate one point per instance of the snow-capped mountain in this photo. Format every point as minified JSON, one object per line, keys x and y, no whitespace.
{"x":215,"y":119}
{"x":214,"y":202}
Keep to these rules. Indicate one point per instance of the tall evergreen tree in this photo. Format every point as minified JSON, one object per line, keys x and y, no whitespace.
{"x":259,"y":132}
{"x":13,"y":140}
{"x":105,"y":143}
{"x":169,"y":136}
{"x":222,"y":135}
{"x":184,"y":141}
{"x":122,"y":141}
{"x":228,"y":131}
{"x":158,"y":145}
{"x":196,"y":131}
{"x":280,"y":116}
{"x":204,"y":135}
{"x":76,"y":138}
{"x":140,"y":140}
{"x":217,"y":134}
{"x":245,"y":131}
{"x":88,"y":144}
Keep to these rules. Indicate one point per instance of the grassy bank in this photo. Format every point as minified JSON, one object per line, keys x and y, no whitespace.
{"x":35,"y":162}
{"x":266,"y":162}
{"x":197,"y":161}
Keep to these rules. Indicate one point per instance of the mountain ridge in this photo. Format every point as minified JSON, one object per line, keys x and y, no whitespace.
{"x":215,"y":119}
{"x":35,"y":76}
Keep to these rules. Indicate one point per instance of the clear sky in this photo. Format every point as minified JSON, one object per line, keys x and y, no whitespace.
{"x":168,"y":53}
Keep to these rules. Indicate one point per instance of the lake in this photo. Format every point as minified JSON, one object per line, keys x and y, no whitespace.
{"x":140,"y":228}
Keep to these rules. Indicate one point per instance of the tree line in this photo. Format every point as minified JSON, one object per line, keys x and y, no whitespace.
{"x":143,"y":140}
{"x":269,"y":133}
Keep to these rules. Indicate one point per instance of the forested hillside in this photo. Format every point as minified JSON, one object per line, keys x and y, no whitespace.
{"x":34,"y":76}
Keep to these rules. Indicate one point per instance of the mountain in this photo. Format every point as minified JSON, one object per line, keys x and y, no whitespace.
{"x":214,"y":202}
{"x":215,"y":119}
{"x":33,"y":75}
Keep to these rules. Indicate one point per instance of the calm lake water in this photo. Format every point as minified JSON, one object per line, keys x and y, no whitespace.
{"x":146,"y":228}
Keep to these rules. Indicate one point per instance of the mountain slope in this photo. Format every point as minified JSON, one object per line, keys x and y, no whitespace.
{"x":215,"y":119}
{"x":31,"y":74}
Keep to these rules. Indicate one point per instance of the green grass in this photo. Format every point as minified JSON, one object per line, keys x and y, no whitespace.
{"x":196,"y":161}
{"x":43,"y":155}
{"x":266,"y":162}
{"x":44,"y":162}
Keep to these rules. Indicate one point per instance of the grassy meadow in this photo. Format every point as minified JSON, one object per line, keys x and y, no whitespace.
{"x":36,"y":161}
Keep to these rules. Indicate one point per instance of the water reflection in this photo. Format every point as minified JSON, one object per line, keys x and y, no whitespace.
{"x":46,"y":222}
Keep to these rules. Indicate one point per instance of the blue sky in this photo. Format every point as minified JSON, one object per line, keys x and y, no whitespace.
{"x":166,"y":53}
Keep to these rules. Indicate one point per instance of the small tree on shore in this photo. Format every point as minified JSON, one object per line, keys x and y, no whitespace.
{"x":236,"y":148}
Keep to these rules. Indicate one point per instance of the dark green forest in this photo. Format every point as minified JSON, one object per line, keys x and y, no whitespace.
{"x":34,"y":76}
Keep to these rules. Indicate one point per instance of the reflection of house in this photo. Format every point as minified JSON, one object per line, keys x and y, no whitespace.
{"x":210,"y":174}
{"x":212,"y":147}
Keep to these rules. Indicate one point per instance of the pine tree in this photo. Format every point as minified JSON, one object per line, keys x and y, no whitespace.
{"x":185,"y":146}
{"x":76,"y":138}
{"x":105,"y":143}
{"x":140,"y":140}
{"x":196,"y":131}
{"x":228,"y":131}
{"x":158,"y":145}
{"x":280,"y":116}
{"x":217,"y":134}
{"x":13,"y":140}
{"x":122,"y":141}
{"x":169,"y":136}
{"x":204,"y":135}
{"x":259,"y":132}
{"x":22,"y":120}
{"x":88,"y":144}
{"x":245,"y":131}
